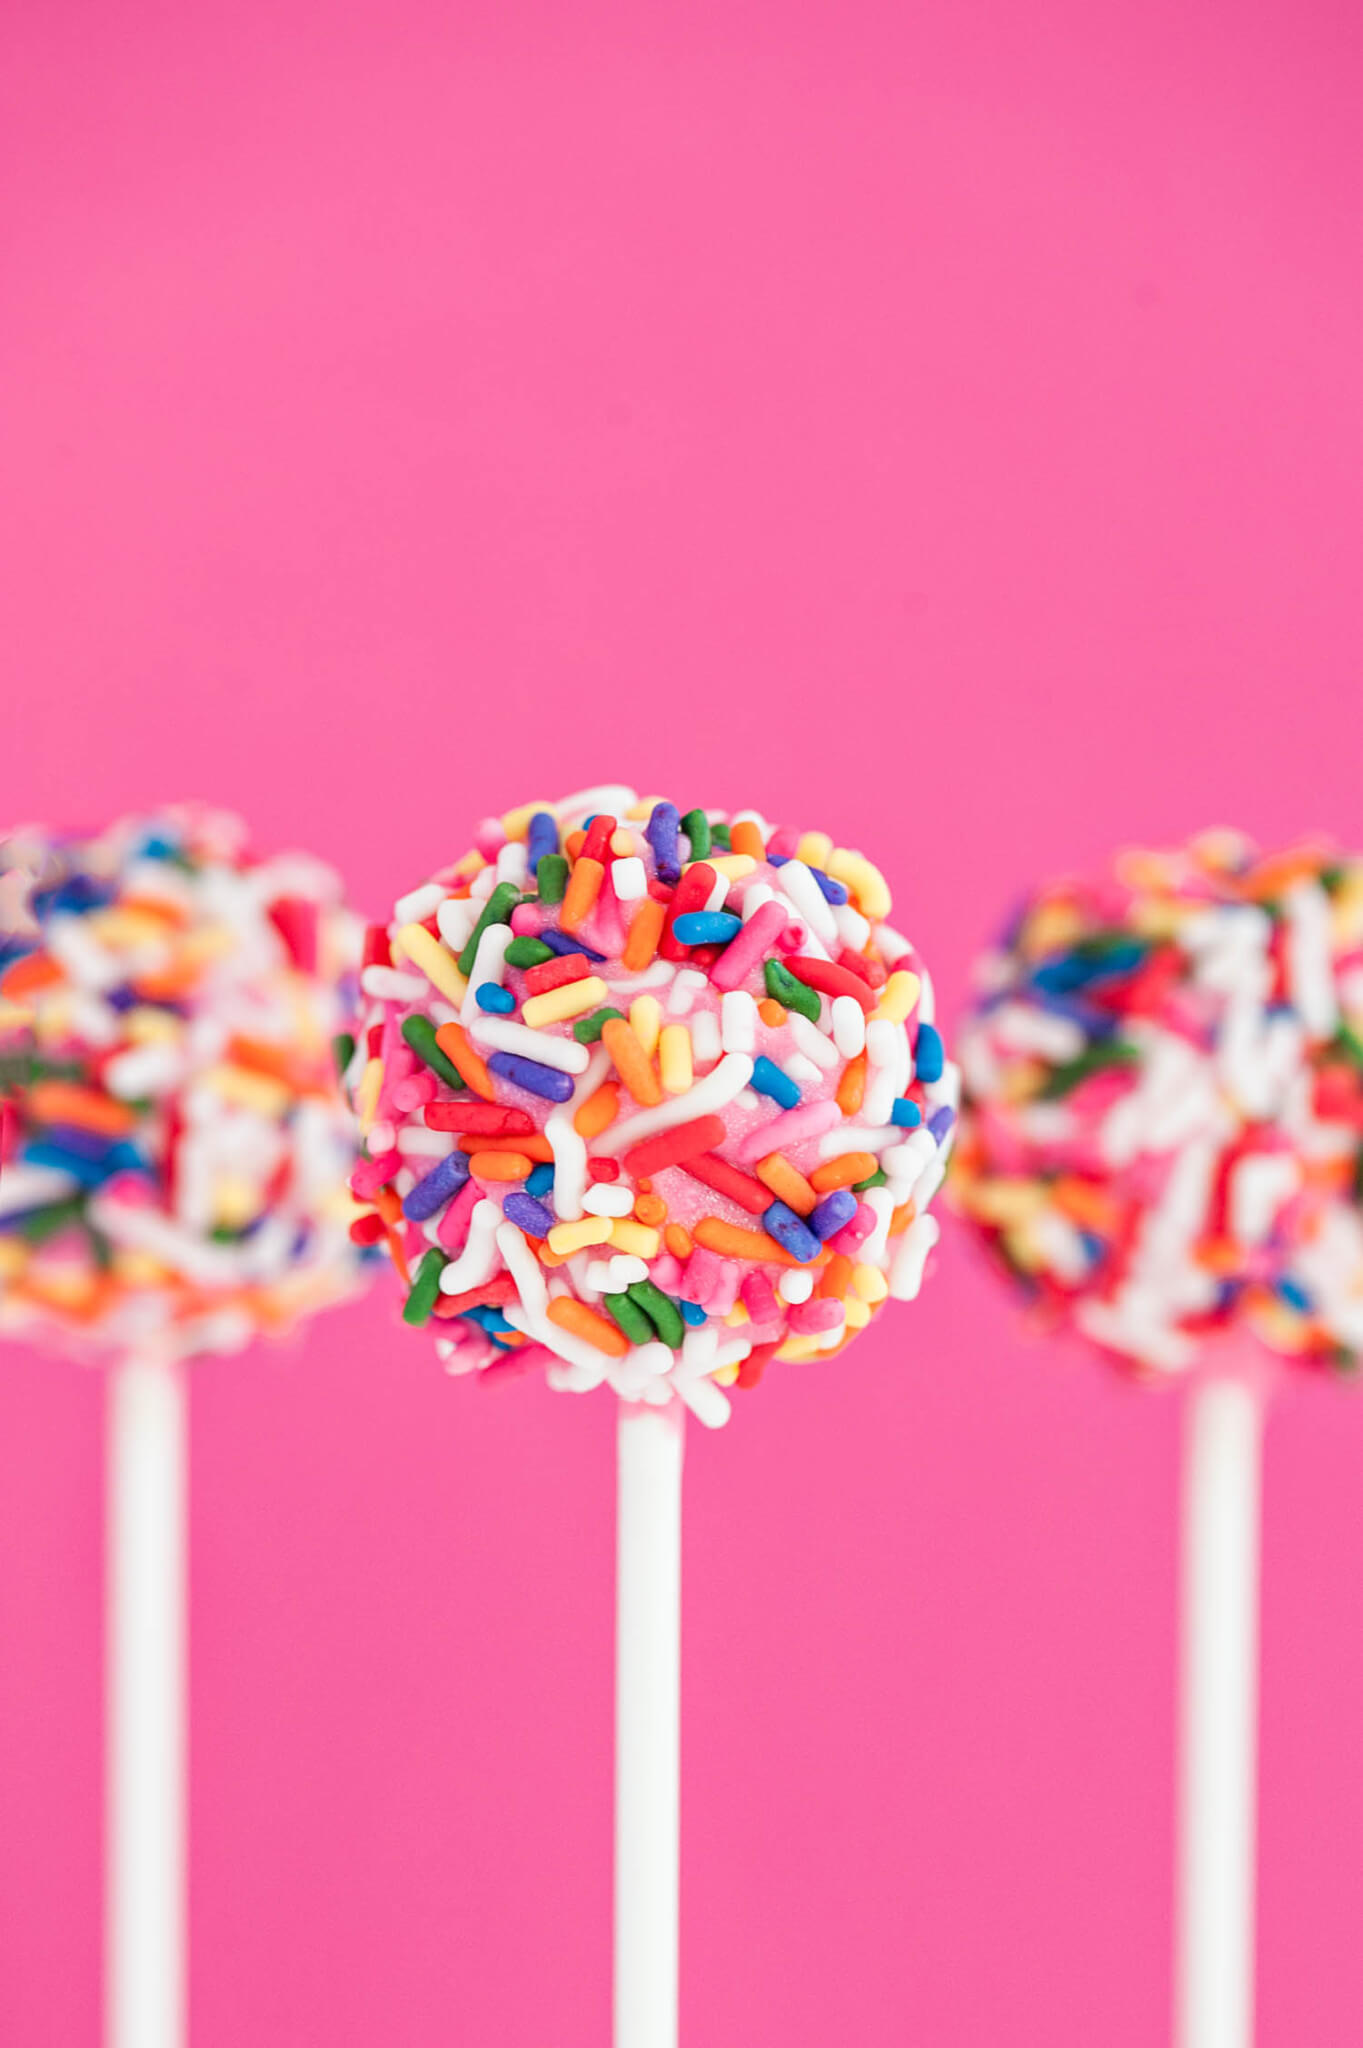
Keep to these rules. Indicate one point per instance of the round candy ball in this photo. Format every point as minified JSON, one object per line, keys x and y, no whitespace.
{"x":176,"y":1142}
{"x":1162,"y":1134}
{"x":649,"y":1098}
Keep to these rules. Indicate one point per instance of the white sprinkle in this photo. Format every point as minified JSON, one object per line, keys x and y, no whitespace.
{"x":608,"y":1198}
{"x":489,"y":964}
{"x":802,"y":1071}
{"x":706,"y":1043}
{"x":503,"y":1035}
{"x":513,"y":863}
{"x":853,"y":929}
{"x":524,"y":1268}
{"x":795,"y":1287}
{"x":685,"y":989}
{"x":703,"y":1098}
{"x":906,"y":1273}
{"x":456,"y":917}
{"x":718,"y":896}
{"x":479,"y":1259}
{"x":629,"y":878}
{"x":811,"y":905}
{"x":390,"y":985}
{"x":815,"y":1044}
{"x":849,"y":1026}
{"x":738,"y":1021}
{"x":418,"y":904}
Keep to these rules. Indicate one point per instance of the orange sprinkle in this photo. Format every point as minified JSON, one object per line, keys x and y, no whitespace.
{"x":581,"y":1321}
{"x":843,"y":1172}
{"x":632,"y":1063}
{"x":771,"y":1012}
{"x":35,"y":971}
{"x":592,"y":1117}
{"x":852,"y":1086}
{"x":574,"y":843}
{"x":731,"y":1241}
{"x":66,"y":1102}
{"x":453,"y":1041}
{"x":644,"y":933}
{"x":678,"y":1241}
{"x":745,"y":837}
{"x":787,"y":1183}
{"x":584,"y":886}
{"x":1083,"y":1202}
{"x":837,"y":1277}
{"x":651,"y":1209}
{"x":390,"y":1208}
{"x":500,"y":1166}
{"x":903,"y":1216}
{"x":533,"y":1146}
{"x":153,"y":906}
{"x":172,"y":983}
{"x":548,"y":1258}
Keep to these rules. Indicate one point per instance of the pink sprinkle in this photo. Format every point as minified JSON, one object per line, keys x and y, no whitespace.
{"x":784,"y":843}
{"x":703,"y":1270}
{"x":372,"y":1174}
{"x":666,"y":1272}
{"x":454,"y":1224}
{"x":792,"y":1127}
{"x":764,"y":1311}
{"x":745,"y":952}
{"x":527,"y":921}
{"x":793,"y":939}
{"x":411,"y":1093}
{"x":809,"y":1317}
{"x":854,"y":1234}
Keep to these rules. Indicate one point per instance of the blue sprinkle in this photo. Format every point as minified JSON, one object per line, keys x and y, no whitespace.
{"x":559,"y":942}
{"x":528,"y":1215}
{"x":662,"y":832}
{"x":156,"y":846}
{"x":941,"y":1121}
{"x":791,"y":1231}
{"x":930,"y":1055}
{"x":1069,"y":971}
{"x":692,"y":1313}
{"x":531,"y":1075}
{"x":490,"y":995}
{"x":833,"y":892}
{"x":832,"y":1212}
{"x":435,"y":1189}
{"x":88,"y":1173}
{"x":541,"y":1180}
{"x":768,"y":1079}
{"x":906,"y":1114}
{"x":76,"y":895}
{"x":487,"y":1318}
{"x":1093,"y":1245}
{"x":540,"y":838}
{"x":1293,"y":1293}
{"x":80,"y":1143}
{"x":706,"y":927}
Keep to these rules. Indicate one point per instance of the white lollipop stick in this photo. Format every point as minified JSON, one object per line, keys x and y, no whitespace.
{"x":1215,"y":1969}
{"x":145,"y":1707}
{"x":647,"y":1725}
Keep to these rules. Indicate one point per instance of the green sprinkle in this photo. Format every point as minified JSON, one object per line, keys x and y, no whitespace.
{"x":45,"y":1223}
{"x":631,"y":1318}
{"x":1350,"y":1044}
{"x":526,"y":952}
{"x":720,"y":837}
{"x":342,"y":1050}
{"x":419,"y":1033}
{"x":552,"y":877}
{"x":587,"y":1030}
{"x":419,"y":1303}
{"x":1116,"y":1052}
{"x":696,"y":826}
{"x":874,"y":1180}
{"x":661,"y":1311}
{"x":782,"y":987}
{"x":497,"y":910}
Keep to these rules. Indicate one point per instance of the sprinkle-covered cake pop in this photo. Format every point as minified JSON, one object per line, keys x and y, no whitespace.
{"x":649,"y":1099}
{"x":175,"y":1143}
{"x":1163,"y":1125}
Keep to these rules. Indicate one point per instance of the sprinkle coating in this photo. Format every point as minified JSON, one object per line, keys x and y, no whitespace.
{"x":672,"y":1207}
{"x":1162,"y":1135}
{"x":175,"y":1142}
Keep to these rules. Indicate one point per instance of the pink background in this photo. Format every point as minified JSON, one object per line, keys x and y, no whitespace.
{"x":942,"y":424}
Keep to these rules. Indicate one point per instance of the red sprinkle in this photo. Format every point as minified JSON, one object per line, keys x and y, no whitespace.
{"x":492,"y":1294}
{"x":717,"y":1173}
{"x":691,"y":893}
{"x":377,"y":952}
{"x":555,"y":973}
{"x":368,"y":1229}
{"x":597,"y":844}
{"x":488,"y":1119}
{"x":831,"y":978}
{"x":755,"y":1364}
{"x":671,"y":1148}
{"x":603,"y":1169}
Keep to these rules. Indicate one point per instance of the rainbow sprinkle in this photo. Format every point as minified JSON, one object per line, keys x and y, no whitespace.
{"x":1162,"y":1133}
{"x":649,"y":1099}
{"x":175,"y":1142}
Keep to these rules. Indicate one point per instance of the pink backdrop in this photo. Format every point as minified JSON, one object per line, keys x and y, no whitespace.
{"x":938,"y":423}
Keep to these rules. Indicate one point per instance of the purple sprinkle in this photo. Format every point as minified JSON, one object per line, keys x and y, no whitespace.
{"x":832,"y":1213}
{"x":444,"y":1180}
{"x":559,"y":942}
{"x":532,"y":1076}
{"x":528,"y":1215}
{"x":940,"y":1122}
{"x":661,"y":833}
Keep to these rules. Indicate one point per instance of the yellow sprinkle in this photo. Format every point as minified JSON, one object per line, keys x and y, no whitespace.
{"x":624,"y":843}
{"x":235,"y":1203}
{"x":367,"y":1094}
{"x":13,"y":1258}
{"x":645,"y":1021}
{"x":435,"y":961}
{"x":674,"y":1058}
{"x":12,"y":1017}
{"x":869,"y":1283}
{"x":726,"y":1375}
{"x":737,"y":1315}
{"x":468,"y":865}
{"x":119,"y":927}
{"x":566,"y":1238}
{"x":627,"y":1236}
{"x":556,"y":1005}
{"x":643,"y":810}
{"x":856,"y":1315}
{"x":146,"y":1026}
{"x":898,"y":996}
{"x":138,"y":1269}
{"x":796,"y":1349}
{"x":733,"y":866}
{"x":864,"y":880}
{"x":1006,"y":1203}
{"x":815,"y":850}
{"x":248,"y":1090}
